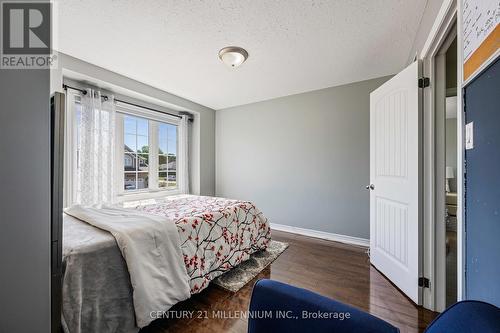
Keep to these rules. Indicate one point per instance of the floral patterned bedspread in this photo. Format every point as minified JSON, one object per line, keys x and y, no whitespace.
{"x":216,"y":233}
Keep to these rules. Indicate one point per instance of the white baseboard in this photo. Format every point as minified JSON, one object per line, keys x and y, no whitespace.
{"x":323,"y":235}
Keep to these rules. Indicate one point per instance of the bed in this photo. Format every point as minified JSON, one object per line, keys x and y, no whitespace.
{"x":216,"y":234}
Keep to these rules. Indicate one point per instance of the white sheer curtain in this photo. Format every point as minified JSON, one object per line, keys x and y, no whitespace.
{"x":183,"y":158}
{"x":94,"y":181}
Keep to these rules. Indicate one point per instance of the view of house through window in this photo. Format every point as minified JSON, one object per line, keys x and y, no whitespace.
{"x":136,"y":151}
{"x":167,"y":155}
{"x":139,"y":150}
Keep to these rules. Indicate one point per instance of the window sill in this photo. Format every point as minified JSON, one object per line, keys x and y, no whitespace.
{"x":147,"y":194}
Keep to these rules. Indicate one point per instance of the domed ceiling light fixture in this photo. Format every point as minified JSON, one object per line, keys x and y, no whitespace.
{"x":233,"y":56}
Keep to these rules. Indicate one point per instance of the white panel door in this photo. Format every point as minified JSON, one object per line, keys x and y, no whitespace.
{"x":394,"y":180}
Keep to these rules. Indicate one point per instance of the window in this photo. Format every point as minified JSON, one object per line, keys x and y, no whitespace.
{"x":145,"y":156}
{"x":149,"y":150}
{"x":167,"y":156}
{"x":136,"y":153}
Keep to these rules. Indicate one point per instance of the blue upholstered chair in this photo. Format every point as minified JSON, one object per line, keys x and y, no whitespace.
{"x":467,"y":317}
{"x":277,"y":307}
{"x":282,"y":300}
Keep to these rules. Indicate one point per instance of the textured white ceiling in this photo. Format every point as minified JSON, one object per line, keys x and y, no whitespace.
{"x":294,"y":45}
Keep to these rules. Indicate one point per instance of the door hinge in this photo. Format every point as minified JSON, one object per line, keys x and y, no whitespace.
{"x":424,"y":82}
{"x":424,"y":282}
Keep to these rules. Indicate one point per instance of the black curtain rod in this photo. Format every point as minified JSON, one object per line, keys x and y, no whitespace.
{"x":84,"y":92}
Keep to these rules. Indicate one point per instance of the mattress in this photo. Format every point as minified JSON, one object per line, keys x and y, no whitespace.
{"x":216,"y":235}
{"x":97,"y":295}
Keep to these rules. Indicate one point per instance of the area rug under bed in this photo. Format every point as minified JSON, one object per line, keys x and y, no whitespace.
{"x":236,"y":278}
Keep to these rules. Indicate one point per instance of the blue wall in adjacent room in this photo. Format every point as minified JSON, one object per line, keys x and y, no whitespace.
{"x":482,"y":217}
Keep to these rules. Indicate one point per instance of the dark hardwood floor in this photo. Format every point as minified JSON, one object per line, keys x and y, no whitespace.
{"x":336,"y":270}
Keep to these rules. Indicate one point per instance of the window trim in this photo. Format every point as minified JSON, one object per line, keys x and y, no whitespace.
{"x":154,"y":118}
{"x":145,"y":113}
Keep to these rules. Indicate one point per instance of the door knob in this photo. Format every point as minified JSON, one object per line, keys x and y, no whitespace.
{"x":370,"y":187}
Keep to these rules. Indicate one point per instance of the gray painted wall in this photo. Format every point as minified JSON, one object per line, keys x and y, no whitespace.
{"x":451,"y":65}
{"x":24,"y":201}
{"x":303,"y":159}
{"x":451,"y":123}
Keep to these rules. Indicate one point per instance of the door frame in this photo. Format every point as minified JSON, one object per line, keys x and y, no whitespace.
{"x":434,"y":298}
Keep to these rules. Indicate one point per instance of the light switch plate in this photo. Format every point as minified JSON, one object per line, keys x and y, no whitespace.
{"x":469,"y":135}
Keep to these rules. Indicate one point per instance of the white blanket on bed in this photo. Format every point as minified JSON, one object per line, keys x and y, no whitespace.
{"x":151,"y":248}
